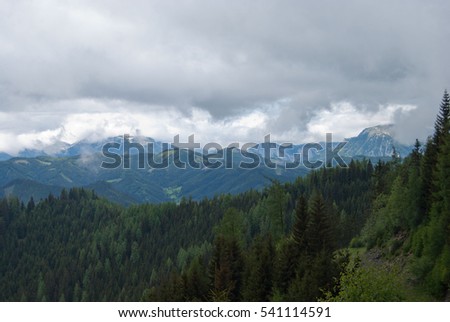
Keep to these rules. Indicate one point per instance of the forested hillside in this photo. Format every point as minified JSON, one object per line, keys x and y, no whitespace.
{"x":303,"y":241}
{"x":37,"y":177}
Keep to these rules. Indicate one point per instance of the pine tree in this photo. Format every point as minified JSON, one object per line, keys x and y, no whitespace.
{"x":286,"y":262}
{"x":427,"y":168}
{"x":415,"y":209}
{"x":438,"y":247}
{"x":277,"y":201}
{"x":442,"y":120}
{"x":301,"y":222}
{"x":432,"y":151}
{"x":416,"y":155}
{"x":195,"y":282}
{"x":292,"y":250}
{"x":225,"y":268}
{"x":259,"y":270}
{"x":30,"y":205}
{"x":319,"y":232}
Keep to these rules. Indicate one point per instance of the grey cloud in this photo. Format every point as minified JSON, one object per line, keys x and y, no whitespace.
{"x":228,"y":56}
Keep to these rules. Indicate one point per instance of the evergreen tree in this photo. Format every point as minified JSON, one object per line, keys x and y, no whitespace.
{"x":432,"y":151}
{"x":416,"y":155}
{"x":259,"y":270}
{"x":226,"y":268}
{"x":277,"y":201}
{"x":438,"y":246}
{"x":195,"y":282}
{"x":30,"y":205}
{"x":319,"y":232}
{"x":286,"y":263}
{"x":442,"y":120}
{"x":300,"y":225}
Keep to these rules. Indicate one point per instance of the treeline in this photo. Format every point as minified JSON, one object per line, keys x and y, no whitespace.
{"x":268,"y":265}
{"x":411,"y":209}
{"x":79,"y":247}
{"x":288,"y":242}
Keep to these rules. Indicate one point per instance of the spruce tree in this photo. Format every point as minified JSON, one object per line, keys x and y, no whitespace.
{"x":226,"y":268}
{"x":286,"y":262}
{"x":438,"y":248}
{"x":195,"y":281}
{"x":319,"y":232}
{"x":416,"y":155}
{"x":277,"y":201}
{"x":442,"y":120}
{"x":432,"y":150}
{"x":300,"y":224}
{"x":260,"y":270}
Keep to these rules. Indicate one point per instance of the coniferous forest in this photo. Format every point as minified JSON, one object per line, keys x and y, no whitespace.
{"x":368,"y":232}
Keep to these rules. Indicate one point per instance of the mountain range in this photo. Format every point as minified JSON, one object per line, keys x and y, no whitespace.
{"x":39,"y":172}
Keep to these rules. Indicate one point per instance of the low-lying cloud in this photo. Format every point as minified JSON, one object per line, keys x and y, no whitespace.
{"x":342,"y":119}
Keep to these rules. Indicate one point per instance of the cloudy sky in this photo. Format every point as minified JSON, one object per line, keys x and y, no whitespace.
{"x":223,"y":70}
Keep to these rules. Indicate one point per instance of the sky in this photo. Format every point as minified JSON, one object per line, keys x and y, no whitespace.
{"x":225,"y":71}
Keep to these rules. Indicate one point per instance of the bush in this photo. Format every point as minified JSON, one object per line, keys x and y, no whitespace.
{"x":368,"y":284}
{"x":356,"y":242}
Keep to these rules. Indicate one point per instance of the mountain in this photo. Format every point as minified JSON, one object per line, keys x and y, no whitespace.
{"x":24,"y":189}
{"x":41,"y":149}
{"x":4,"y":156}
{"x":85,"y":147}
{"x":31,"y":153}
{"x":377,"y":141}
{"x":107,"y":190}
{"x":138,"y":185}
{"x":40,"y":172}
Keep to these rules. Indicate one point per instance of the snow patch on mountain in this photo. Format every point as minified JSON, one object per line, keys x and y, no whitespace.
{"x":376,"y":141}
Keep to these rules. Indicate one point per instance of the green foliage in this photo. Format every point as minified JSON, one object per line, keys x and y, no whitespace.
{"x":301,"y":222}
{"x":276,"y":203}
{"x":286,"y":261}
{"x":226,"y":268}
{"x":432,"y":241}
{"x":195,"y":281}
{"x":232,"y":225}
{"x":367,"y":284}
{"x":23,"y":178}
{"x":88,"y":249}
{"x":319,"y":230}
{"x":411,"y":212}
{"x":259,"y":270}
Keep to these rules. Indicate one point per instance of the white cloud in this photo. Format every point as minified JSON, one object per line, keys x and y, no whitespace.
{"x":345,"y":120}
{"x":161,"y":123}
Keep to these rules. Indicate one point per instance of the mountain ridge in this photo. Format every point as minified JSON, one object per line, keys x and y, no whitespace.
{"x":375,"y":141}
{"x":80,"y":166}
